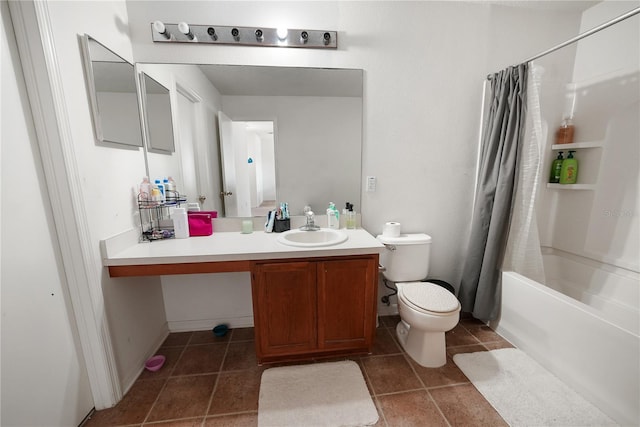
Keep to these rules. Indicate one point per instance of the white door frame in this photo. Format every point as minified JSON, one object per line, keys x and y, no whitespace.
{"x":42,"y":76}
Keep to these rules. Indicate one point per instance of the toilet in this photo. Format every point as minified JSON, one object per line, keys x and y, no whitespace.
{"x":427,"y":310}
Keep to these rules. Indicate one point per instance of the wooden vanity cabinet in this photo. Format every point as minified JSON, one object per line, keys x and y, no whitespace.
{"x":322,"y":306}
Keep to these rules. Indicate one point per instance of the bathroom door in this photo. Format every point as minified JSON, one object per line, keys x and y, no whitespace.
{"x":229,"y":191}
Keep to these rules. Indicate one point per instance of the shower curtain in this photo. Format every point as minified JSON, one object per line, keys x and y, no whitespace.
{"x":502,"y":137}
{"x":523,"y":254}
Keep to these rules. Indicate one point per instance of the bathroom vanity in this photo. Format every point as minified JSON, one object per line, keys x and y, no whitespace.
{"x":307,"y":301}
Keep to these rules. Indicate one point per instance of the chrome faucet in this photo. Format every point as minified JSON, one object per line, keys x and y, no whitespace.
{"x":310,"y":224}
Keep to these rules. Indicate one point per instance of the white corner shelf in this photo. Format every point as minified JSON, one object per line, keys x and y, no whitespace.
{"x":577,"y":145}
{"x":571,"y":186}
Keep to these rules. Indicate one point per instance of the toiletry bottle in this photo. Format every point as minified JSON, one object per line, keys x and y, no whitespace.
{"x":556,"y":168}
{"x":333,"y":217}
{"x":180,"y":223}
{"x":351,"y":218}
{"x":144,"y":191}
{"x":345,"y":214}
{"x":160,"y":187}
{"x":569,"y":171}
{"x":564,"y":135}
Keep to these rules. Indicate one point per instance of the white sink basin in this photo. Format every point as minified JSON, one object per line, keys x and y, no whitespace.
{"x":310,"y":239}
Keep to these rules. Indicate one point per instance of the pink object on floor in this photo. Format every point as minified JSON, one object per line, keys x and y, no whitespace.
{"x":155,"y":363}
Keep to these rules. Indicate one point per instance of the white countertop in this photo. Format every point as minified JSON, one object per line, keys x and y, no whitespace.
{"x":231,"y":246}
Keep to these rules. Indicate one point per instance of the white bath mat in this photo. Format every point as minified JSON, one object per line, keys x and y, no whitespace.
{"x":324,"y":394}
{"x":526,"y":394}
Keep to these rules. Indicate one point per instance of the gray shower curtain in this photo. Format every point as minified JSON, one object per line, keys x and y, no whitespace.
{"x":502,"y":136}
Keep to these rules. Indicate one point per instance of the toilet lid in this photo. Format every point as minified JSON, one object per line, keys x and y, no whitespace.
{"x":430,"y":297}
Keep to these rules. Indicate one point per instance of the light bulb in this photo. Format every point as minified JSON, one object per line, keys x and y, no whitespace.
{"x":282,"y":33}
{"x":184,"y":29}
{"x":160,"y":28}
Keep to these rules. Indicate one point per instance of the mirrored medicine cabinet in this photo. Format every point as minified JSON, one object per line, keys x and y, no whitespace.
{"x":113,"y":96}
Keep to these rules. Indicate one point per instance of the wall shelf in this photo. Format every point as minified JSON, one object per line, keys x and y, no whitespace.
{"x":571,"y":186}
{"x":577,"y":145}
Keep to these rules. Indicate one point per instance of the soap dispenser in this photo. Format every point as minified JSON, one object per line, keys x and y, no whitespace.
{"x":569,"y":171}
{"x":333,"y":217}
{"x":565,"y":132}
{"x":351,"y":218}
{"x":556,"y":168}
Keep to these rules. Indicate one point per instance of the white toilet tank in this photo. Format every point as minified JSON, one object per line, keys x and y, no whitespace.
{"x":406,"y":258}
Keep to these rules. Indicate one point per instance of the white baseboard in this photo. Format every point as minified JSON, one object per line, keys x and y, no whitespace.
{"x":208,"y":324}
{"x":387,"y":310}
{"x":131,"y":377}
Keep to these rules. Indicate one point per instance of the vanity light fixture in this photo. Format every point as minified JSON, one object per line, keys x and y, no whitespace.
{"x":245,"y":36}
{"x":160,"y":28}
{"x":184,"y":29}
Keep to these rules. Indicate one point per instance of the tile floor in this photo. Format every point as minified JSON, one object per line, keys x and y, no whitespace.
{"x":210,"y":381}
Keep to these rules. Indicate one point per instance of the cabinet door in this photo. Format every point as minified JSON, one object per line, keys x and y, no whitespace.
{"x":346,"y":303}
{"x":284,"y":296}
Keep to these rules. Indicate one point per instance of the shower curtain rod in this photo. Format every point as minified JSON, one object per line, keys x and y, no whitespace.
{"x":594,"y":30}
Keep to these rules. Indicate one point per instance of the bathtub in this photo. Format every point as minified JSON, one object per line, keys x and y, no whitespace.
{"x":583,"y":328}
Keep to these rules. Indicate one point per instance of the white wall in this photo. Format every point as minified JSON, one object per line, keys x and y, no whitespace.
{"x":108,"y":177}
{"x":40,"y":347}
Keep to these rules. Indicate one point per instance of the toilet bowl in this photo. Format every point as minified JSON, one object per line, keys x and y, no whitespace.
{"x":427,"y":311}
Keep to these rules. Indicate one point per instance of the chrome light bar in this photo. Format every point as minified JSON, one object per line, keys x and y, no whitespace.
{"x":243,"y":36}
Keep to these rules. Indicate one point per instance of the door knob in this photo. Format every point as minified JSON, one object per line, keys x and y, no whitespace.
{"x":226,"y":193}
{"x":202,"y":198}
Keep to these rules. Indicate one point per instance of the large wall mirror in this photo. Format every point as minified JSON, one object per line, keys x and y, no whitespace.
{"x":250,"y":137}
{"x":111,"y":86}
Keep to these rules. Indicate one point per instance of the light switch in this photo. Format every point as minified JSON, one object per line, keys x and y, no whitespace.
{"x":371,"y":183}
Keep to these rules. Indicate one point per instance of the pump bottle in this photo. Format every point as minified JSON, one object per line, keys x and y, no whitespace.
{"x":569,"y":171}
{"x":556,"y":168}
{"x":333,"y":217}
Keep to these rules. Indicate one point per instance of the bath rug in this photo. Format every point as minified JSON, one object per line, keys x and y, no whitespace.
{"x":323,"y":394}
{"x":526,"y":394}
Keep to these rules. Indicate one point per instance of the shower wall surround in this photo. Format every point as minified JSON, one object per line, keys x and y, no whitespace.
{"x":602,"y":76}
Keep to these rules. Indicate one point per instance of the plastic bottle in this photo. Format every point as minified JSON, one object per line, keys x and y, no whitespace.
{"x":333,"y":217}
{"x":569,"y":171}
{"x":556,"y":168}
{"x":351,"y":218}
{"x":160,"y":186}
{"x":564,"y":135}
{"x":180,"y":223}
{"x":345,"y":214}
{"x":144,"y":190}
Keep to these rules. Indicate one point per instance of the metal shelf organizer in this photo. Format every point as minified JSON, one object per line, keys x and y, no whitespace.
{"x":155,"y":216}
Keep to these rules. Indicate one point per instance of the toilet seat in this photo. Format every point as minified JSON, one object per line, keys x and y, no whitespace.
{"x":428,"y":298}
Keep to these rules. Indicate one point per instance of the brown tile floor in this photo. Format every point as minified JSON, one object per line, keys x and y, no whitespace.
{"x":208,"y":381}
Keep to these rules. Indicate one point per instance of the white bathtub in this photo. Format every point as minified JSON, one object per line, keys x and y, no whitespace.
{"x":593,"y":348}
